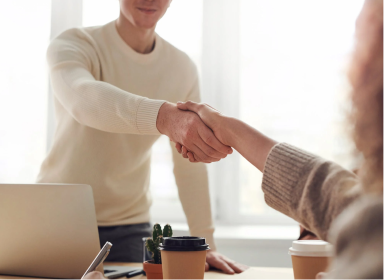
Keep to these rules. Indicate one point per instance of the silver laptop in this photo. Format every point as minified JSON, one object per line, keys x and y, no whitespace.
{"x":48,"y":230}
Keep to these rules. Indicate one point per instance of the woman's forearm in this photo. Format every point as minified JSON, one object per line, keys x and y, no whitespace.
{"x":249,"y":142}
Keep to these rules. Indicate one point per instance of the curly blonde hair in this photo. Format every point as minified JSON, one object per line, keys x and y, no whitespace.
{"x":366,"y":78}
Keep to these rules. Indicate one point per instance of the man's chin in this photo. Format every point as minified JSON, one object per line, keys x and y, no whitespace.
{"x":146,"y":24}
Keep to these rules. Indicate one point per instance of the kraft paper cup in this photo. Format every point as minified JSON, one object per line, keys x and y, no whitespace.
{"x":183,"y":257}
{"x":310,"y":257}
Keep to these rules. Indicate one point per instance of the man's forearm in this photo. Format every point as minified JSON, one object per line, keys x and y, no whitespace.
{"x":249,"y":142}
{"x":163,"y":117}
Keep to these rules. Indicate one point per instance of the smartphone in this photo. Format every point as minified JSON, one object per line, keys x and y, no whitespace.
{"x":99,"y":258}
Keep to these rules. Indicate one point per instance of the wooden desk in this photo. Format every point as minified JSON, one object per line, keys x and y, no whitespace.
{"x":252,"y":273}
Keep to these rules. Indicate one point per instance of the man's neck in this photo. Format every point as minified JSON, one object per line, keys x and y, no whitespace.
{"x":140,"y":39}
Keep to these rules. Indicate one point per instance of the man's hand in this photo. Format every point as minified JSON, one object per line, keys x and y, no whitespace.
{"x":216,"y":260}
{"x":94,"y":275}
{"x":190,"y":131}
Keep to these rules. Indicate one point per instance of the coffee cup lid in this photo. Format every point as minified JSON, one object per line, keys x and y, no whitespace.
{"x":184,"y":243}
{"x":311,"y":248}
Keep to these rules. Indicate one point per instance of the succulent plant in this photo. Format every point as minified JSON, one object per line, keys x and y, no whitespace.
{"x":167,"y":231}
{"x":153,"y":243}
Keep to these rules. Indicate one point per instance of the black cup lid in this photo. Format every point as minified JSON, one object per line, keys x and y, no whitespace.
{"x":184,"y":243}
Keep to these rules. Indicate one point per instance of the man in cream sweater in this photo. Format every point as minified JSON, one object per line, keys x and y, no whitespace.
{"x":110,"y":83}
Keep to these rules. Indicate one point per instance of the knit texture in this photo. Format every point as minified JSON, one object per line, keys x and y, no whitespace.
{"x":283,"y":169}
{"x":329,"y":201}
{"x":307,"y":188}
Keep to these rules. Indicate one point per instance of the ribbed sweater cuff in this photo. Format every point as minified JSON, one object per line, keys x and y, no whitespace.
{"x":147,"y":115}
{"x":282,"y":172}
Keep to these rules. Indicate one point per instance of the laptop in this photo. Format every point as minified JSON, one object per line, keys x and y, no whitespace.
{"x":49,"y":230}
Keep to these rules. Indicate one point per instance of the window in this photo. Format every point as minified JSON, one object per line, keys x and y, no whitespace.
{"x":24,"y":88}
{"x":293,"y":85}
{"x":278,"y":65}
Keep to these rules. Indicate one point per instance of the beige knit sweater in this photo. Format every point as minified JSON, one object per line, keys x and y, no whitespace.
{"x":107,"y":97}
{"x":329,"y":201}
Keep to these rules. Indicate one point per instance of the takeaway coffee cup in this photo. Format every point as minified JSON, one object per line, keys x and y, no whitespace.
{"x":309,"y":257}
{"x":183,"y":257}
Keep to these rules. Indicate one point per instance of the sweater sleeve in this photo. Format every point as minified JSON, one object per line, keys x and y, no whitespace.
{"x":74,"y":66}
{"x":307,"y":188}
{"x":358,"y":237}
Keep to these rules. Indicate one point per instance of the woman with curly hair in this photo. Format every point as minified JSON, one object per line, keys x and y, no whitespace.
{"x":334,"y":203}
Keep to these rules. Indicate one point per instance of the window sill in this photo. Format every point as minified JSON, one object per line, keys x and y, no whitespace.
{"x":253,"y":245}
{"x":246,"y":232}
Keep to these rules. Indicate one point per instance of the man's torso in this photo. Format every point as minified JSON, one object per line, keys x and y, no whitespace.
{"x":117,"y":166}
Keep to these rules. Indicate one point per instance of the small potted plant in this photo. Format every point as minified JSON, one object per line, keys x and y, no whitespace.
{"x":153,"y":269}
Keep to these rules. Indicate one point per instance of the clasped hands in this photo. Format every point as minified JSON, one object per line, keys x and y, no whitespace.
{"x":196,"y":129}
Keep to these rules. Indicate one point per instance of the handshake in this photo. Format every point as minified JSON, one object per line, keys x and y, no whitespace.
{"x":197,"y":129}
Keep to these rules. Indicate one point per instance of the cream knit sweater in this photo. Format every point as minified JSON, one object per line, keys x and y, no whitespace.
{"x":107,"y":97}
{"x":329,"y":201}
